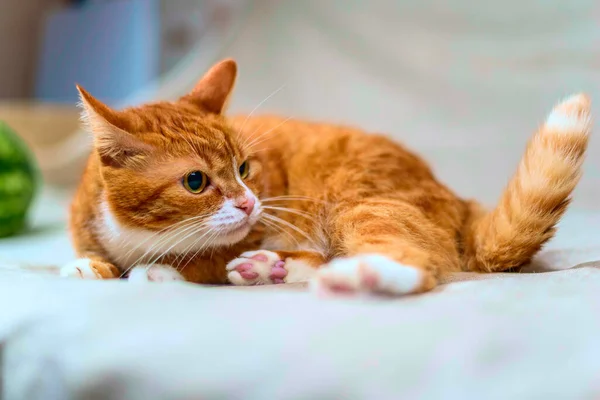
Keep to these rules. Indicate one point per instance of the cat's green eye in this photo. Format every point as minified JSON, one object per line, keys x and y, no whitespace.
{"x":195,"y":181}
{"x":244,"y":170}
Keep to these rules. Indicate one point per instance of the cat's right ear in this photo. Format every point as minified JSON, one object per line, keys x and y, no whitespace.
{"x":114,"y":144}
{"x":214,"y":89}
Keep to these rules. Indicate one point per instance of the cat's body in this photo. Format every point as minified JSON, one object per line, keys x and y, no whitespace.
{"x":355,"y":211}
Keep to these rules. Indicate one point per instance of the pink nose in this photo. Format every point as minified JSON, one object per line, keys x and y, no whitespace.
{"x":246,"y":204}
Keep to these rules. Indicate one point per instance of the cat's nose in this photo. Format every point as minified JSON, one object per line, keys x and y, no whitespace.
{"x":246,"y":204}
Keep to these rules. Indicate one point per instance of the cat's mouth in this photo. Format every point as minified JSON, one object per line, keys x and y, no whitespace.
{"x":232,"y":232}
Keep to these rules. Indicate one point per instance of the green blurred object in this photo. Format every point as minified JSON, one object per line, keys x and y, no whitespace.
{"x":18,"y":181}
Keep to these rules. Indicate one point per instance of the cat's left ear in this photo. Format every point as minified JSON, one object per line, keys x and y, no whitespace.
{"x":213,"y":90}
{"x":110,"y":128}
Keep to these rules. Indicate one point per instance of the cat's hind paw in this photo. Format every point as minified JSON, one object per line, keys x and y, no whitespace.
{"x":368,"y":274}
{"x":260,"y":267}
{"x":154,"y":273}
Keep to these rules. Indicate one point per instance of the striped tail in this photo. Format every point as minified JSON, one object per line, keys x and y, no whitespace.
{"x":538,"y":194}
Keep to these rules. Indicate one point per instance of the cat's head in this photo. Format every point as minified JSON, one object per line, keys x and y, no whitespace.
{"x":178,"y":165}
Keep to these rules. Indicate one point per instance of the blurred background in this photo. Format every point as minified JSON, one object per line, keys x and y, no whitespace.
{"x":463,"y":83}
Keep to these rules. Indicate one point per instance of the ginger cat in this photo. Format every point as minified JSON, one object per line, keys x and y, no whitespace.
{"x":178,"y":191}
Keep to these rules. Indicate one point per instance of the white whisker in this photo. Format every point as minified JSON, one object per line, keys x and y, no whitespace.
{"x":191,"y":224}
{"x":189,"y":248}
{"x":289,"y":225}
{"x":276,"y":228}
{"x":291,"y":198}
{"x":203,"y":247}
{"x":254,"y":141}
{"x":261,"y":150}
{"x":290,"y":210}
{"x":279,"y":230}
{"x":173,"y":227}
{"x":197,"y":229}
{"x":255,"y":131}
{"x":256,"y":108}
{"x":154,"y":248}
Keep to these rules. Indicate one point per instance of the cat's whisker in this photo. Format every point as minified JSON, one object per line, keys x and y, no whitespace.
{"x":212,"y":248}
{"x":204,"y":246}
{"x":262,"y":150}
{"x":254,"y":132}
{"x":279,"y":230}
{"x":155,"y":257}
{"x":254,"y":142}
{"x":181,"y":256}
{"x":291,"y":198}
{"x":168,"y":233}
{"x":196,"y":229}
{"x":153,"y":250}
{"x":290,"y":210}
{"x":258,"y":106}
{"x":213,"y":233}
{"x":288,"y":224}
{"x":175,"y":226}
{"x":127,"y":242}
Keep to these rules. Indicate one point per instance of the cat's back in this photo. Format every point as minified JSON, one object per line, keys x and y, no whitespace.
{"x":327,"y":146}
{"x":328,"y":155}
{"x":274,"y":126}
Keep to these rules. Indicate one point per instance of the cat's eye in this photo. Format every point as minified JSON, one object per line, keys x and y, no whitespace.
{"x":244,"y":170}
{"x":195,"y":181}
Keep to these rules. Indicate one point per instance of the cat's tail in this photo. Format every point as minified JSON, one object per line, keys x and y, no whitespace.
{"x":537,"y":195}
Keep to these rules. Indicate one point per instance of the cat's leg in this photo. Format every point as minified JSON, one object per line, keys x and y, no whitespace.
{"x":264,"y":267}
{"x":154,"y":273}
{"x":91,"y":262}
{"x":386,"y":248}
{"x":90,"y":266}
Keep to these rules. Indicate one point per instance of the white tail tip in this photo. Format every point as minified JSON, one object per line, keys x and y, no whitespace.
{"x":572,"y":115}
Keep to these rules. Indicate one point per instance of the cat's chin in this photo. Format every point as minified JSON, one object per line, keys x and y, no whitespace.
{"x":233,"y":236}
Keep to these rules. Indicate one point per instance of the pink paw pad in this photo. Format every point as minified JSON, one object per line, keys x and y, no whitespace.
{"x":257,"y":268}
{"x":245,"y":271}
{"x":260,"y":257}
{"x":369,"y":279}
{"x":278,"y":272}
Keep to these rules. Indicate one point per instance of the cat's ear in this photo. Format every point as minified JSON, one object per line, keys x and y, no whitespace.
{"x":213,"y":90}
{"x":114,"y":144}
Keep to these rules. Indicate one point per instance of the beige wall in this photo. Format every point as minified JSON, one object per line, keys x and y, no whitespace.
{"x":20,"y":27}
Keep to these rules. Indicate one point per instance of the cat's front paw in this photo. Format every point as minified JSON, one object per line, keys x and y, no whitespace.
{"x":154,"y":273}
{"x":85,"y":268}
{"x":260,"y":267}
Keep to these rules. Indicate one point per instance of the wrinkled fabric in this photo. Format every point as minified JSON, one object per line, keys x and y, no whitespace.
{"x":496,"y":336}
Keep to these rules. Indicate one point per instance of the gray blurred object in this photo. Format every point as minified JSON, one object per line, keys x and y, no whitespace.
{"x":111,"y":48}
{"x":193,"y":35}
{"x":464,"y":83}
{"x":19,"y":22}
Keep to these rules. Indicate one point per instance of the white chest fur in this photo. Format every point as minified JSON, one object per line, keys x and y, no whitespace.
{"x":130,"y":246}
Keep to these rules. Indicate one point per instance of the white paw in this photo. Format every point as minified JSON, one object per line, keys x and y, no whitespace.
{"x":80,"y":268}
{"x":154,"y":273}
{"x":260,"y":267}
{"x":367,"y":273}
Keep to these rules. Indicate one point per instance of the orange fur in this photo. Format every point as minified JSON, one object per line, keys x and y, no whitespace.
{"x":325,"y":192}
